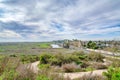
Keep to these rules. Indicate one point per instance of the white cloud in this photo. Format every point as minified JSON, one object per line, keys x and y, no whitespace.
{"x":8,"y":17}
{"x":9,"y":34}
{"x":84,"y":17}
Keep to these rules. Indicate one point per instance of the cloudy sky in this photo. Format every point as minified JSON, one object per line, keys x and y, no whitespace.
{"x":46,"y":20}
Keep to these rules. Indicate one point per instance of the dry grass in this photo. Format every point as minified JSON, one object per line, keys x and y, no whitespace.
{"x":89,"y":77}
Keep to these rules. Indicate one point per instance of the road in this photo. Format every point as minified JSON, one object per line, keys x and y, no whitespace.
{"x":104,"y":52}
{"x":73,"y":76}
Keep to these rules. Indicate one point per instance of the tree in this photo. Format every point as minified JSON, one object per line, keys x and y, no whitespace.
{"x":92,"y":45}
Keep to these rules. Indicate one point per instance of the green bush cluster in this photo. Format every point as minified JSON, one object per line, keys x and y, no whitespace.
{"x":59,"y":59}
{"x":64,"y":61}
{"x":112,"y":73}
{"x":28,"y":58}
{"x":92,"y":45}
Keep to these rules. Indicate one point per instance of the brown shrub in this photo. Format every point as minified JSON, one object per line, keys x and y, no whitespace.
{"x":72,"y":67}
{"x":93,"y":56}
{"x":99,"y":66}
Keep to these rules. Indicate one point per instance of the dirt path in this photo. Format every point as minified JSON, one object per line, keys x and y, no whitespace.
{"x":24,"y":68}
{"x":34,"y":66}
{"x":80,"y":74}
{"x":105,"y":52}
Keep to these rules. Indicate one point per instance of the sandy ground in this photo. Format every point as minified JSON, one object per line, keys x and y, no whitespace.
{"x":80,"y":74}
{"x":24,"y":68}
{"x":34,"y":68}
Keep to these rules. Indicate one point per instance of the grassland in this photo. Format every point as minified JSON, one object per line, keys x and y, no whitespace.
{"x":44,"y":45}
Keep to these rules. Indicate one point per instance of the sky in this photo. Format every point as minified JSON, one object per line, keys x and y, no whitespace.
{"x":47,"y":20}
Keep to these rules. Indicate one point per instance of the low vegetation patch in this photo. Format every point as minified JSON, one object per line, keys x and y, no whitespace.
{"x":57,"y":63}
{"x":112,"y":73}
{"x":44,"y":45}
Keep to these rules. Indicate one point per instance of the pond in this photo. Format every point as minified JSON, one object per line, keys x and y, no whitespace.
{"x":55,"y":46}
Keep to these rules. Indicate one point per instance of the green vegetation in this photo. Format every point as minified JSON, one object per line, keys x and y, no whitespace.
{"x":53,"y":62}
{"x":24,"y":48}
{"x":95,"y":57}
{"x":59,"y":59}
{"x":28,"y":58}
{"x":113,"y":73}
{"x":44,"y":45}
{"x":74,"y":62}
{"x":92,"y":45}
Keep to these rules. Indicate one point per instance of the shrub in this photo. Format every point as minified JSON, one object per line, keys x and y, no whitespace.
{"x":44,"y":66}
{"x":59,"y":59}
{"x":81,"y":55}
{"x":95,"y":57}
{"x":99,"y":66}
{"x":29,"y":58}
{"x":69,"y":58}
{"x":84,"y":64}
{"x":9,"y":75}
{"x":72,"y":67}
{"x":13,"y":55}
{"x":89,"y":69}
{"x":8,"y":63}
{"x":25,"y":74}
{"x":92,"y":45}
{"x":44,"y":58}
{"x":112,"y":73}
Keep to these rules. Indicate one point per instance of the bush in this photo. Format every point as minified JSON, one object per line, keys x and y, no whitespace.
{"x":99,"y":66}
{"x":84,"y":64}
{"x":81,"y":55}
{"x":44,"y":66}
{"x":59,"y":59}
{"x":92,"y":45}
{"x":9,"y":75}
{"x":95,"y":57}
{"x":69,"y":58}
{"x":45,"y":58}
{"x":25,"y":74}
{"x":72,"y":67}
{"x":28,"y":58}
{"x":112,"y":73}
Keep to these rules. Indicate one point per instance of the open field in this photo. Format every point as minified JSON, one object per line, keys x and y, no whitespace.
{"x":28,"y":48}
